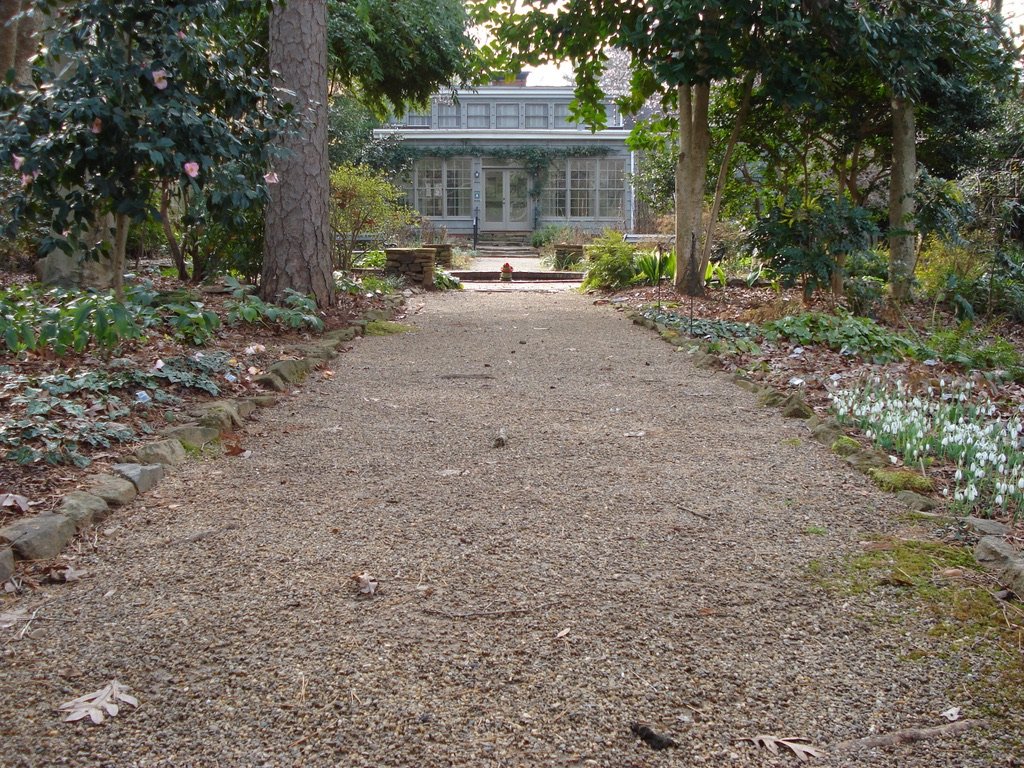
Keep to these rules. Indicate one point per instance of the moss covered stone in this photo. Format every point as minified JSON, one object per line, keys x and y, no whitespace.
{"x":844,"y":446}
{"x":899,"y":480}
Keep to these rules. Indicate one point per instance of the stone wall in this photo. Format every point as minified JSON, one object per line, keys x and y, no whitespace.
{"x":442,"y":254}
{"x":415,"y":265}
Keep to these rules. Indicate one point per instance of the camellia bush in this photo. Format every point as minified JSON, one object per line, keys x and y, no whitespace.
{"x":134,"y":98}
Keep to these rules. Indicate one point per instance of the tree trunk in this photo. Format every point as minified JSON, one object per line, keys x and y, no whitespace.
{"x":121,"y":224}
{"x":691,"y":171}
{"x":901,"y":199}
{"x":9,"y":9}
{"x":27,"y":45}
{"x":297,"y":252}
{"x":723,"y":171}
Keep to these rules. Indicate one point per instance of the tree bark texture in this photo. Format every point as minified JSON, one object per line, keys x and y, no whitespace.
{"x":691,"y":171}
{"x":297,"y":248}
{"x":9,"y":9}
{"x":901,"y":199}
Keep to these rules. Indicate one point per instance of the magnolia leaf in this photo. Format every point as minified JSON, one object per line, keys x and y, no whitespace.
{"x":367,"y":584}
{"x":98,"y":705}
{"x":798,"y":745}
{"x":14,"y":501}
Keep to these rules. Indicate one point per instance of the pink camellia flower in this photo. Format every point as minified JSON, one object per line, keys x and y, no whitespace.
{"x":159,"y":78}
{"x":191,"y":169}
{"x":181,"y":34}
{"x":271,"y":178}
{"x":97,"y":126}
{"x":17,"y":161}
{"x":28,"y":178}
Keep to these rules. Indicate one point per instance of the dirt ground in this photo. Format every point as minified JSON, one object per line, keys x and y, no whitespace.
{"x":645,"y":548}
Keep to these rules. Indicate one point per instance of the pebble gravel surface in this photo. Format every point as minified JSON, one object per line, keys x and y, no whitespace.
{"x":574,"y":531}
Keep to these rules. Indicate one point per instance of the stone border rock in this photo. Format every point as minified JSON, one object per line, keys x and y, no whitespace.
{"x":993,"y":551}
{"x":44,"y":536}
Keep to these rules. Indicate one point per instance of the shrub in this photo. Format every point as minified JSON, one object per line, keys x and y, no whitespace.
{"x":943,"y":266}
{"x":652,"y":268}
{"x":610,"y":262}
{"x":363,"y":202}
{"x":805,"y":239}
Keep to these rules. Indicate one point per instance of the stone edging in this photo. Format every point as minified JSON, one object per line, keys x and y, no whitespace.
{"x":44,"y":536}
{"x":993,"y":551}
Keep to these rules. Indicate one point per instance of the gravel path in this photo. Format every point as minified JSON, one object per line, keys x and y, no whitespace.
{"x":639,"y":551}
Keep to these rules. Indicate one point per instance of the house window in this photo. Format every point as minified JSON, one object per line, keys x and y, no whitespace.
{"x":506,"y":116}
{"x":613,"y":118}
{"x":611,"y":182}
{"x":552,"y":197}
{"x":417,"y":119}
{"x":444,"y":187}
{"x":536,"y":115}
{"x":429,"y":186}
{"x":459,"y":186}
{"x":447,"y":116}
{"x":562,"y":115}
{"x":582,"y":179}
{"x":478,"y":115}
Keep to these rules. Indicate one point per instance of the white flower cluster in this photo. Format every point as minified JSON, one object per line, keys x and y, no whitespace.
{"x":952,"y":421}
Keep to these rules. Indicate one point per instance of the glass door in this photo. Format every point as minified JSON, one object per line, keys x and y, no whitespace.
{"x":506,"y":198}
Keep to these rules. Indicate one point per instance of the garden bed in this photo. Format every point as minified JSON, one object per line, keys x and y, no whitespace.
{"x":772,"y":339}
{"x":67,"y":415}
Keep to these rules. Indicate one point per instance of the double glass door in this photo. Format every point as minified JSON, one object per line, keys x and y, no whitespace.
{"x":506,"y":198}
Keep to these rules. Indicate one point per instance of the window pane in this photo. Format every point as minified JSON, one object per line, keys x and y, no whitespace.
{"x":417,"y":120}
{"x":582,"y":179}
{"x":536,"y":115}
{"x":447,"y":116}
{"x":459,"y":186}
{"x":507,"y":116}
{"x":562,"y":115}
{"x":552,"y":197}
{"x":478,"y":115}
{"x":429,"y":186}
{"x":611,"y":192}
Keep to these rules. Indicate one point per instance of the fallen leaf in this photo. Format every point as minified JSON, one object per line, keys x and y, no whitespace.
{"x":98,"y":704}
{"x":641,"y":433}
{"x":367,"y":584}
{"x":14,"y":501}
{"x":562,"y":634}
{"x":952,"y":714}
{"x":70,"y":574}
{"x":233,"y":449}
{"x":9,"y":619}
{"x":327,"y":374}
{"x":798,"y":745}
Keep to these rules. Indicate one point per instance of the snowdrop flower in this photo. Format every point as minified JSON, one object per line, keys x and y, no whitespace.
{"x":191,"y":169}
{"x":159,"y":79}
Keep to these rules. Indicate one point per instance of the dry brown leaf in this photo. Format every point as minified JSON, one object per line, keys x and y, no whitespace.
{"x":562,"y":634}
{"x":14,"y":501}
{"x":367,"y":584}
{"x":98,"y":705}
{"x":798,"y":745}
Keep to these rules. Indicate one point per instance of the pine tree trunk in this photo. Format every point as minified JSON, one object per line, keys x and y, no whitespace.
{"x":9,"y":9}
{"x":901,"y":199}
{"x":297,"y":252}
{"x":27,"y":45}
{"x":691,"y":171}
{"x":121,"y":225}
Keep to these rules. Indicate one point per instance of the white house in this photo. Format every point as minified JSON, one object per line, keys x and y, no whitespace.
{"x":506,"y":160}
